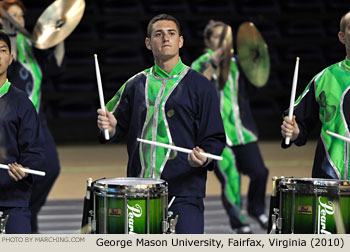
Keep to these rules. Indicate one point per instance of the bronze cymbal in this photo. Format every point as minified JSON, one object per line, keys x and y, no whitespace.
{"x":224,"y":68}
{"x":253,"y":54}
{"x":18,"y":26}
{"x":57,"y":22}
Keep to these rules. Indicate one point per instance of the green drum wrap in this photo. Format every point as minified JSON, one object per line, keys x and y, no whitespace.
{"x":130,"y":206}
{"x":314,"y":206}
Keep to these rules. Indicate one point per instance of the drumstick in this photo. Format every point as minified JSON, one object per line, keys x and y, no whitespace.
{"x":30,"y":171}
{"x":100,"y":92}
{"x":172,"y":147}
{"x":171,"y":201}
{"x":292,"y":95}
{"x":346,"y":139}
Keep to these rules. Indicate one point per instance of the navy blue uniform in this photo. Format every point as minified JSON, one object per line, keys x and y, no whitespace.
{"x":190,"y":113}
{"x":22,"y":139}
{"x":30,"y":82}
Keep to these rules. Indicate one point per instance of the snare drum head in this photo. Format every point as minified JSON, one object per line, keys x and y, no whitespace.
{"x":309,"y":185}
{"x":130,"y":181}
{"x":138,"y":186}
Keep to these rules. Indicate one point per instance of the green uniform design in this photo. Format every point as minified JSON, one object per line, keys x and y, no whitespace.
{"x":159,"y":85}
{"x":236,"y":133}
{"x":331,"y":85}
{"x":26,"y":57}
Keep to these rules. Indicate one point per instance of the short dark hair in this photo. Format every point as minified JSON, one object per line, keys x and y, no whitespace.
{"x":343,"y":22}
{"x":208,"y":30}
{"x":4,"y":37}
{"x":159,"y":18}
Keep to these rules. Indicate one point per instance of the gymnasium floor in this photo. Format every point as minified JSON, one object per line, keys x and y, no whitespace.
{"x":62,"y":212}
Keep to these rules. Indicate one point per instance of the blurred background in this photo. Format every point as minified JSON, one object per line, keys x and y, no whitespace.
{"x":115,"y":30}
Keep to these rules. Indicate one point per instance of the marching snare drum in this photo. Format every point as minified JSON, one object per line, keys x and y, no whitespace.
{"x":130,"y":205}
{"x":310,"y":206}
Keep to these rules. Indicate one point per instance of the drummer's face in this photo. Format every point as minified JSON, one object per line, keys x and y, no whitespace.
{"x":344,"y":37}
{"x":214,"y":39}
{"x":5,"y":57}
{"x":165,"y":40}
{"x":17,"y":13}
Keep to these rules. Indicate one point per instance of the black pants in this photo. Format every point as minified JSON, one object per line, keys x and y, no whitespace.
{"x":43,"y":185}
{"x":18,"y":221}
{"x":191,"y":214}
{"x":249,"y":162}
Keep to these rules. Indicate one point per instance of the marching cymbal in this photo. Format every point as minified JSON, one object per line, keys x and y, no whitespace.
{"x":253,"y":54}
{"x":57,"y":22}
{"x":224,"y":68}
{"x":18,"y":26}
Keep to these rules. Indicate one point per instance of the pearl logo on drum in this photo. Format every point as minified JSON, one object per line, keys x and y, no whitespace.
{"x":135,"y":211}
{"x":324,"y":209}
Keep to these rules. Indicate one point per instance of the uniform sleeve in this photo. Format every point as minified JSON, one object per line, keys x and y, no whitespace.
{"x":31,"y":142}
{"x":306,"y":110}
{"x":211,"y":134}
{"x":202,"y":63}
{"x":119,"y":106}
{"x":48,"y":62}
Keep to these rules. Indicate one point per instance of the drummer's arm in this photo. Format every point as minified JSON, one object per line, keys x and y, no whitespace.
{"x":59,"y":52}
{"x":215,"y":60}
{"x":209,"y":71}
{"x":13,"y":41}
{"x":306,"y":116}
{"x":11,"y":32}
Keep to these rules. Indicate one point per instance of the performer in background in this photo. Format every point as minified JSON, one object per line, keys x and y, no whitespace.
{"x":169,"y":103}
{"x":24,"y":145}
{"x":30,"y":69}
{"x":241,"y":153}
{"x":326,"y":99}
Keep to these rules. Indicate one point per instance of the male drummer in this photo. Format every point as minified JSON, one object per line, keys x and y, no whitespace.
{"x":30,"y":70}
{"x":169,"y":103}
{"x":241,"y":153}
{"x":22,"y":139}
{"x":326,"y":99}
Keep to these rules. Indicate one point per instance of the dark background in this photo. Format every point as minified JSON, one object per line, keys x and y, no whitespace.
{"x":116,"y":29}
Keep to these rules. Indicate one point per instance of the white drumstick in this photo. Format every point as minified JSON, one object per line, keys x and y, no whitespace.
{"x":30,"y":171}
{"x":100,"y":92}
{"x":172,"y":147}
{"x":292,"y":95}
{"x":346,"y":139}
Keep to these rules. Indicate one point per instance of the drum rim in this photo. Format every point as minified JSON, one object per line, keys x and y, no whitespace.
{"x":313,"y":181}
{"x":121,"y":189}
{"x":125,"y":179}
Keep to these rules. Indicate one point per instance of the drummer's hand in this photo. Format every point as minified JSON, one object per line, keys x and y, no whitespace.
{"x":196,"y":159}
{"x":290,"y":128}
{"x":218,"y":56}
{"x":16,"y":173}
{"x":106,"y":121}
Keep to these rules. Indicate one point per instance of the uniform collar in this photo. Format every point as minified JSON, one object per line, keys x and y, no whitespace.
{"x":346,"y":64}
{"x":210,"y":51}
{"x":5,"y":88}
{"x":159,"y":72}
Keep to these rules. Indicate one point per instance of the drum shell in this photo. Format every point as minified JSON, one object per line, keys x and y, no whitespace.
{"x":311,"y":205}
{"x":139,"y":207}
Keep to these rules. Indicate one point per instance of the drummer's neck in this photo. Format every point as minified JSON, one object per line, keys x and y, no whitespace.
{"x":3,"y":78}
{"x":167,"y":64}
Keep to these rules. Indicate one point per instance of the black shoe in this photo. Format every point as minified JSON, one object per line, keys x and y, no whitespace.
{"x":244,"y":230}
{"x":263,"y":220}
